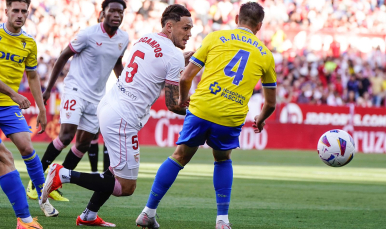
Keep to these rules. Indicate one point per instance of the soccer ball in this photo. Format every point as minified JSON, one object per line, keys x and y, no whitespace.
{"x":336,"y":148}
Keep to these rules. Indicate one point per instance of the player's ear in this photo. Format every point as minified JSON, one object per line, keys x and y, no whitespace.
{"x":259,"y":25}
{"x":237,"y":19}
{"x":169,"y":25}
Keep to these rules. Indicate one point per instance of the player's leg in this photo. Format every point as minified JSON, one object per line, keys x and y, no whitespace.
{"x":106,"y":158}
{"x":193,"y":134}
{"x":127,"y":180}
{"x":71,"y":108}
{"x":93,"y":153}
{"x":22,"y":140}
{"x":77,"y":151}
{"x":222,"y":182}
{"x":87,"y":128}
{"x":11,"y":184}
{"x":223,"y":139}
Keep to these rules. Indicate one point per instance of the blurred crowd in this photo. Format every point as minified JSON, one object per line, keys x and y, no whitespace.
{"x":326,"y":52}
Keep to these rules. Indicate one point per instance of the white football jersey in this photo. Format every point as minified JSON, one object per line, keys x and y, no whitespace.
{"x":153,"y":61}
{"x":95,"y":58}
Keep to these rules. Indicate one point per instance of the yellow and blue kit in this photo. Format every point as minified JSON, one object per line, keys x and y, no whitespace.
{"x":235,"y":61}
{"x":18,"y":52}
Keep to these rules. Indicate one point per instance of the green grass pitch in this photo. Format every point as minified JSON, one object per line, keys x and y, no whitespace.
{"x":272,"y":189}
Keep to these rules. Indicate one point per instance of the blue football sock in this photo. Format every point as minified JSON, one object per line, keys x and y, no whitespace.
{"x":35,"y":171}
{"x":166,"y":175}
{"x":222,"y":181}
{"x":14,"y":189}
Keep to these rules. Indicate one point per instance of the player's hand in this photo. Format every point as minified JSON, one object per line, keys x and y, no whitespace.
{"x":184,"y":103}
{"x":23,"y":102}
{"x":258,"y":126}
{"x":42,"y":120}
{"x":187,"y":56}
{"x":46,"y":96}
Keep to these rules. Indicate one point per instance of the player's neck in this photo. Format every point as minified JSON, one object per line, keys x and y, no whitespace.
{"x":109,"y":30}
{"x":168,"y":35}
{"x":12,"y":29}
{"x":254,"y":31}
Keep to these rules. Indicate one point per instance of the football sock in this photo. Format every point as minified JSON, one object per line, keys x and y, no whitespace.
{"x":166,"y":175}
{"x":35,"y":171}
{"x":150,"y":212}
{"x":73,"y":158}
{"x":106,"y":159}
{"x":222,"y":181}
{"x":14,"y":190}
{"x":27,"y":219}
{"x":99,"y":198}
{"x":88,"y":215}
{"x":93,"y":155}
{"x":95,"y":182}
{"x":223,"y":218}
{"x":50,"y":155}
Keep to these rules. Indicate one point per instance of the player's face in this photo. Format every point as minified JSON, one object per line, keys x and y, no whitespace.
{"x":181,"y":32}
{"x":17,"y":14}
{"x":113,"y":14}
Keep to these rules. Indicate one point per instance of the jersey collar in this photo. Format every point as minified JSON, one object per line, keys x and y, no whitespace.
{"x":10,"y":33}
{"x":245,"y":29}
{"x":104,"y":31}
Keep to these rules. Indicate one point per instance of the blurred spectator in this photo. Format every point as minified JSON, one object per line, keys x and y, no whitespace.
{"x":326,"y":52}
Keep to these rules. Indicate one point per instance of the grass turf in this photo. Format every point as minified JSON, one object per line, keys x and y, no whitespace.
{"x":272,"y":189}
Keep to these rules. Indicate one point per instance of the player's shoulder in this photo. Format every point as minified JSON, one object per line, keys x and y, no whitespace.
{"x":123,"y":34}
{"x":27,"y":37}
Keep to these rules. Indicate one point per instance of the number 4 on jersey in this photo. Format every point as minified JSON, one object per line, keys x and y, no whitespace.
{"x":241,"y":56}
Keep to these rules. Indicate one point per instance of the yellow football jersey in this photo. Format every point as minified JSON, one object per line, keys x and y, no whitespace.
{"x":17,"y":53}
{"x":234,"y":62}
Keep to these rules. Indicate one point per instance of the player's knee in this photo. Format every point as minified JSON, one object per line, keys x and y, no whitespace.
{"x":6,"y":159}
{"x":128,"y":190}
{"x":66,"y":138}
{"x":26,"y":149}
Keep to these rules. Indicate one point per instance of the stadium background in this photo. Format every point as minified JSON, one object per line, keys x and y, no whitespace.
{"x":317,"y":45}
{"x":330,"y":62}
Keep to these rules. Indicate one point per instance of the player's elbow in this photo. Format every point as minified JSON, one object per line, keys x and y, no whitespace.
{"x":270,"y":104}
{"x":176,"y":109}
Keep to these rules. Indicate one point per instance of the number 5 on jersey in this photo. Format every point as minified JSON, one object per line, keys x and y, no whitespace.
{"x":134,"y":66}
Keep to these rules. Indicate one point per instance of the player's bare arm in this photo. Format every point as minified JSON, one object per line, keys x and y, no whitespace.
{"x":268,"y":108}
{"x":34,"y":84}
{"x":186,"y":82}
{"x":171,"y":99}
{"x":58,"y":67}
{"x":23,"y":102}
{"x":118,"y":68}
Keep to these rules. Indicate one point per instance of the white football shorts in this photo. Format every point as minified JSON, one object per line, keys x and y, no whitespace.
{"x":121,"y":141}
{"x":80,"y":112}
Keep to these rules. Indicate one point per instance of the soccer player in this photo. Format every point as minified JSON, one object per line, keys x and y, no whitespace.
{"x":154,"y":63}
{"x":97,"y":50}
{"x":234,"y":62}
{"x":18,"y":52}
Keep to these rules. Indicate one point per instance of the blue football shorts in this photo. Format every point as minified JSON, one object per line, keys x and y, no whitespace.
{"x":12,"y":120}
{"x":196,"y":131}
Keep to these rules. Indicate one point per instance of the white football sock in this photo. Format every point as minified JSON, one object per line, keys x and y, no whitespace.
{"x":27,"y":220}
{"x":223,"y":218}
{"x":150,"y":212}
{"x":88,"y":215}
{"x":64,"y":175}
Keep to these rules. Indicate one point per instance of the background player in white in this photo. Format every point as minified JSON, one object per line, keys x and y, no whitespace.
{"x":154,"y":63}
{"x":97,"y":50}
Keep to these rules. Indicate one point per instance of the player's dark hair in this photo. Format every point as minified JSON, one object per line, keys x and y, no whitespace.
{"x":251,"y":13}
{"x":174,"y":12}
{"x":9,"y":2}
{"x":105,"y":3}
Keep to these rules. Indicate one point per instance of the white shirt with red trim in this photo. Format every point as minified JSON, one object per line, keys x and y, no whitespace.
{"x":95,"y":58}
{"x":153,"y":61}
